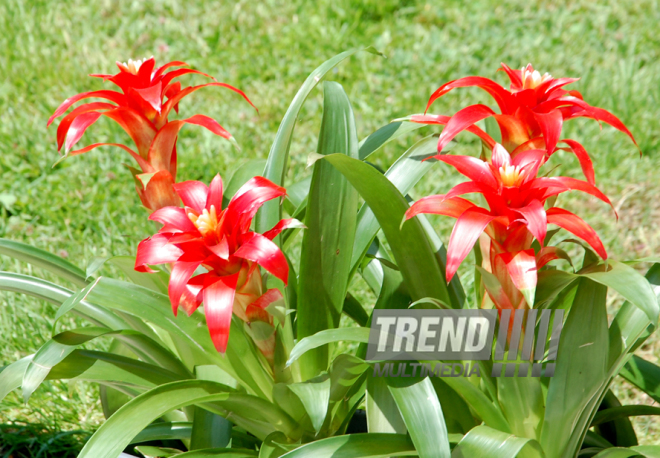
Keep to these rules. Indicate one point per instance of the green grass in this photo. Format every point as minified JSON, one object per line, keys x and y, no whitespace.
{"x":38,"y":441}
{"x":87,"y":207}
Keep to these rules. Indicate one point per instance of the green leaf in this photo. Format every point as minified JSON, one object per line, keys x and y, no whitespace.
{"x":644,"y":451}
{"x":328,"y":336}
{"x":157,"y":452}
{"x":72,"y":301}
{"x":485,"y":442}
{"x":224,"y":453}
{"x":315,"y":397}
{"x":410,"y":245}
{"x":296,"y":197}
{"x":355,"y":311}
{"x":94,"y":265}
{"x":58,"y":295}
{"x":175,"y":430}
{"x":157,"y":281}
{"x":11,"y":376}
{"x":404,"y":174}
{"x":278,"y":156}
{"x":550,"y":284}
{"x":372,"y":445}
{"x":118,"y":431}
{"x":347,"y":376}
{"x":209,"y":429}
{"x":614,"y":413}
{"x":328,"y":240}
{"x":580,"y":368}
{"x":522,"y":403}
{"x":241,"y":176}
{"x":275,"y":445}
{"x":392,"y":294}
{"x":422,"y":414}
{"x":430,"y":303}
{"x":482,"y":405}
{"x":458,"y":416}
{"x":386,"y":134}
{"x":593,"y":440}
{"x":383,"y":415}
{"x":649,"y":451}
{"x":110,"y":369}
{"x":618,"y":453}
{"x":111,"y":398}
{"x":629,"y":329}
{"x":63,"y":344}
{"x":631,"y":285}
{"x":643,"y":374}
{"x":240,"y":361}
{"x":618,"y":431}
{"x":43,"y":259}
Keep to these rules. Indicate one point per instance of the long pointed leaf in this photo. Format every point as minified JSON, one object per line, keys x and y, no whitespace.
{"x":63,"y":344}
{"x":422,"y":413}
{"x":373,"y":445}
{"x":278,"y":156}
{"x":328,"y":240}
{"x":581,"y":367}
{"x":58,"y":295}
{"x":116,"y":433}
{"x":404,"y":174}
{"x":483,"y":441}
{"x":410,"y":245}
{"x":43,"y":259}
{"x":328,"y":336}
{"x":240,"y":360}
{"x":386,"y":134}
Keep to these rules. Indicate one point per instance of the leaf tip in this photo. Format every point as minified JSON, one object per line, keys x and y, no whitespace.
{"x":373,"y":50}
{"x":312,"y":158}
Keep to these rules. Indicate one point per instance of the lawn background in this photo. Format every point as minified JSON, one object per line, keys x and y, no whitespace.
{"x":87,"y":207}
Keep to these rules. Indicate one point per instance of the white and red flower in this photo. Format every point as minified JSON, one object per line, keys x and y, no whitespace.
{"x":516,"y":216}
{"x":203,"y":234}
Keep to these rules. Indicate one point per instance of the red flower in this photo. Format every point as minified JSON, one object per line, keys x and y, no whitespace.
{"x":220,"y":241}
{"x":516,"y":216}
{"x":142,"y":108}
{"x":531,"y":116}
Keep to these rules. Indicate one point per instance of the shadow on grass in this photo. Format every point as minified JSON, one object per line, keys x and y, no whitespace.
{"x":20,"y":440}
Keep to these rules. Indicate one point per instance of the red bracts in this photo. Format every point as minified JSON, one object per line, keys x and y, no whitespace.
{"x":148,"y":96}
{"x":204,"y":235}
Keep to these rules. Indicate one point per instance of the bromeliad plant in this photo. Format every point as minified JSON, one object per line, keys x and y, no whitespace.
{"x":271,"y":380}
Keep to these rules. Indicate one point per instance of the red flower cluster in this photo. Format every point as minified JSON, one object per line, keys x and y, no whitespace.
{"x":147,"y":97}
{"x":220,"y":241}
{"x":532,"y":116}
{"x":516,"y":197}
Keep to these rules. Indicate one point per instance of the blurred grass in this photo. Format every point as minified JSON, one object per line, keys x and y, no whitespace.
{"x":86,"y":206}
{"x":38,"y":441}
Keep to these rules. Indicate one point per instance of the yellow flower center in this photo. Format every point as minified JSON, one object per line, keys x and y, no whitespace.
{"x":510,"y":175}
{"x":531,"y":78}
{"x":133,"y":66}
{"x":205,"y":223}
